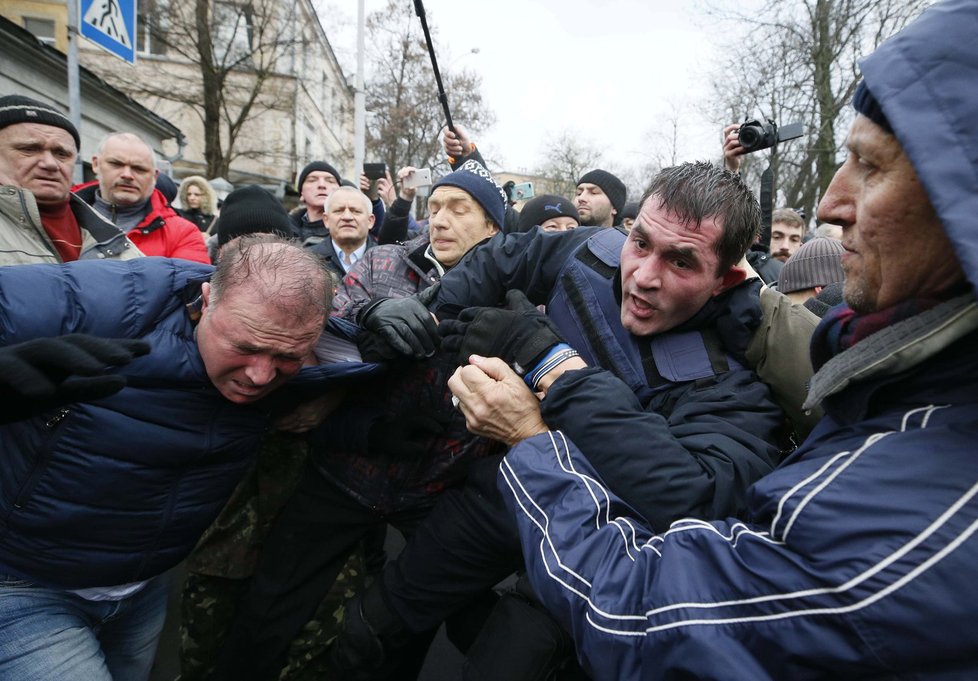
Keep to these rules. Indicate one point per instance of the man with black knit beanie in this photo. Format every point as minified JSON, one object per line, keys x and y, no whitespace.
{"x":41,"y":221}
{"x":251,"y":210}
{"x":314,"y":184}
{"x":600,"y":198}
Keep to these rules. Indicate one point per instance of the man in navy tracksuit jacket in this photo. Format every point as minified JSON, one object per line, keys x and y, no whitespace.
{"x":855,"y":558}
{"x":691,"y":425}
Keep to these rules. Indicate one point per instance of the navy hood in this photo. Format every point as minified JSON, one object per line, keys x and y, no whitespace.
{"x":926,"y":81}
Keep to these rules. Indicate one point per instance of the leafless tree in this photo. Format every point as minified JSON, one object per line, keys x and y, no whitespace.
{"x":799,"y":63}
{"x":567,"y":157}
{"x":237,"y":48}
{"x":405,"y":116}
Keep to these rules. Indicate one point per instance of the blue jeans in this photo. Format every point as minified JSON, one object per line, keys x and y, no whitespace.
{"x":49,"y":634}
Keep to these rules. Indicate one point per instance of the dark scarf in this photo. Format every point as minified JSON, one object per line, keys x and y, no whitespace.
{"x":842,"y":327}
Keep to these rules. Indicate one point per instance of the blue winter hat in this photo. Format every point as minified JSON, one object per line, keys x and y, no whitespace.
{"x":473,"y":178}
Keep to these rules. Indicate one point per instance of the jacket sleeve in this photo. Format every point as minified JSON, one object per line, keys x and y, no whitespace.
{"x":187,"y":242}
{"x":695,"y":451}
{"x":394,"y":228}
{"x":528,"y":261}
{"x":701,"y":600}
{"x":379,"y":211}
{"x":474,"y":155}
{"x":853,"y":561}
{"x":108,"y":298}
{"x":779,"y":353}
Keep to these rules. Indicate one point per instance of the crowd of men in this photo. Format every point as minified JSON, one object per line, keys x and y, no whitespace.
{"x":685,"y":454}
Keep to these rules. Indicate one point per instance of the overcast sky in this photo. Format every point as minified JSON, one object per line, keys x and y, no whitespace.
{"x":609,"y":71}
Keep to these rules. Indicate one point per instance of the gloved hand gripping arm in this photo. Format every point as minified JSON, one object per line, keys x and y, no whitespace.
{"x":519,"y":334}
{"x":405,"y":324}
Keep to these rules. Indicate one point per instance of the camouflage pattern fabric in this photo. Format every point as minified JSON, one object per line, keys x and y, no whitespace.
{"x":208,"y":608}
{"x":229,"y":548}
{"x":225,"y":558}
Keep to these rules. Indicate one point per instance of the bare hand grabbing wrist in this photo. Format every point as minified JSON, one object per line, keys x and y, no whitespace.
{"x":496,"y":402}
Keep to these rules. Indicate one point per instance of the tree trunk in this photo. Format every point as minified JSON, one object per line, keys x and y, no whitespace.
{"x":825,"y":99}
{"x":213,"y":92}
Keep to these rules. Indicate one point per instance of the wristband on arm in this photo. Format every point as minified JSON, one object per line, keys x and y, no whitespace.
{"x":557,"y":355}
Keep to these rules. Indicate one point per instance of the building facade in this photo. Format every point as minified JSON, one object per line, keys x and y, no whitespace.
{"x":35,"y":68}
{"x":272,"y":61}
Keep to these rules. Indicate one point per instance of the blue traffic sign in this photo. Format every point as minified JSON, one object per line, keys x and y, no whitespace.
{"x":111,"y":24}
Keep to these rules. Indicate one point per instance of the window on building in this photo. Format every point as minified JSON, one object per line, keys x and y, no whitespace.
{"x":151,"y":27}
{"x":233,"y":32}
{"x":43,"y":29}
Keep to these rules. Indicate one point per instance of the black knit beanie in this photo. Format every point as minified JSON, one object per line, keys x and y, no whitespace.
{"x":167,"y":187}
{"x":20,"y":109}
{"x":313,"y":167}
{"x":865,"y":103}
{"x":251,"y":210}
{"x":613,"y":188}
{"x":629,"y":211}
{"x":544,"y":207}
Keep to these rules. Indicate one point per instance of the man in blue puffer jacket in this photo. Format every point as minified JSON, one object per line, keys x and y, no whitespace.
{"x":99,"y":499}
{"x":855,"y":558}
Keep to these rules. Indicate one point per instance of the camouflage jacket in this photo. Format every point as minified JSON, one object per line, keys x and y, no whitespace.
{"x":231,"y":545}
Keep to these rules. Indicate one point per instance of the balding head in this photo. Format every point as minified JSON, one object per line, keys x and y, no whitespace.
{"x":126,"y":169}
{"x":262,"y":313}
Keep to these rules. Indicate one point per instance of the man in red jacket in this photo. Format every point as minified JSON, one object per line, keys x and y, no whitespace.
{"x":126,"y":194}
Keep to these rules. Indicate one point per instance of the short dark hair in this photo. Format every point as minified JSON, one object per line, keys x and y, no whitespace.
{"x":697,"y":191}
{"x":287,"y":275}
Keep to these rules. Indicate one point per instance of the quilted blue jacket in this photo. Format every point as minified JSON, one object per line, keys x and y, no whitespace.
{"x":119,"y":490}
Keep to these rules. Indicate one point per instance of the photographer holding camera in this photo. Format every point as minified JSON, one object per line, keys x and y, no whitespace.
{"x":786,"y":233}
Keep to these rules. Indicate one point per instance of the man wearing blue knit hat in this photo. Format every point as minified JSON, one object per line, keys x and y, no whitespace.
{"x":465,"y":207}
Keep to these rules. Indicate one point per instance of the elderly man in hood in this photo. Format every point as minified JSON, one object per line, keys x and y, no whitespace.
{"x":855,"y":557}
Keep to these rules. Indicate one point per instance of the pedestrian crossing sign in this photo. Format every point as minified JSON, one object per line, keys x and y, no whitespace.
{"x":111,"y":24}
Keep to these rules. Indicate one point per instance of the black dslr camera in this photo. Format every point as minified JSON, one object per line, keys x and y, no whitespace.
{"x":754,"y":135}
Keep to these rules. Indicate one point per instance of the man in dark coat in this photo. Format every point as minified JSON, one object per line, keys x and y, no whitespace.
{"x":854,"y":558}
{"x":662,"y":317}
{"x":386,"y":454}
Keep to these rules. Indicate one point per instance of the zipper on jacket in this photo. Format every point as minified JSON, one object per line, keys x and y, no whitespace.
{"x":44,"y":235}
{"x":54,"y":424}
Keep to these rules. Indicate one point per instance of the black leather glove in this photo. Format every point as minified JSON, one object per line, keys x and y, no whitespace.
{"x":519,"y":333}
{"x":47,"y":372}
{"x":405,"y":436}
{"x":373,"y":348}
{"x":403,"y":323}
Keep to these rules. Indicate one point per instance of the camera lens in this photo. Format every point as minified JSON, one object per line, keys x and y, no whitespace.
{"x":749,"y":137}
